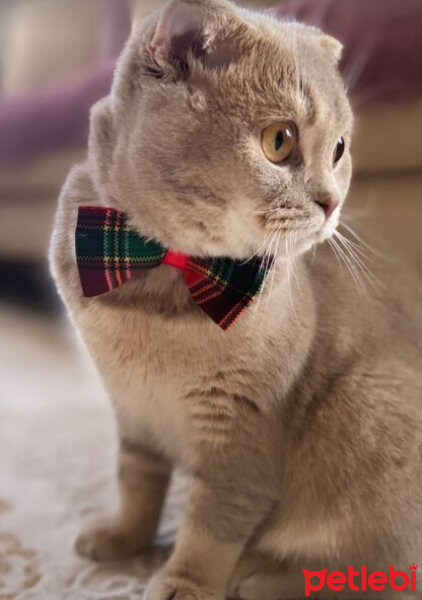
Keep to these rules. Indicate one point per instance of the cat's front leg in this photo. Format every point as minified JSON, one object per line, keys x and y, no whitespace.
{"x":212,"y":536}
{"x":143,"y":478}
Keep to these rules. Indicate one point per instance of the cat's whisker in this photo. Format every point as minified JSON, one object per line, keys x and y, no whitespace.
{"x":362,"y":272}
{"x":270,"y":252}
{"x":259,"y":251}
{"x":359,"y":239}
{"x":279,"y":233}
{"x":360,"y":263}
{"x":293,"y":259}
{"x":288,"y":274}
{"x":267,"y":211}
{"x":358,"y":65}
{"x":359,"y":214}
{"x":341,"y":260}
{"x":357,"y":248}
{"x":288,"y":270}
{"x":350,"y":262}
{"x":358,"y":252}
{"x":350,"y":267}
{"x":333,"y":247}
{"x":267,"y":265}
{"x":267,"y":250}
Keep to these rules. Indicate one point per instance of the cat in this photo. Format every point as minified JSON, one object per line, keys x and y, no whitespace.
{"x":227,"y":133}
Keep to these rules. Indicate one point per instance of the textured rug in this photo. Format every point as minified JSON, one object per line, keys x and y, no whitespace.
{"x":57,"y":464}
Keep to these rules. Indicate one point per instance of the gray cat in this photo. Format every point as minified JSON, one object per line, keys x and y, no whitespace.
{"x":227,"y":133}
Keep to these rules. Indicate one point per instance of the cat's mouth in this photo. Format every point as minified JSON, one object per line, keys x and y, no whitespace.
{"x":288,"y":236}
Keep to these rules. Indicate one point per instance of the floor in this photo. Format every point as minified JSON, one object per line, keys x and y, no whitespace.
{"x":57,"y":462}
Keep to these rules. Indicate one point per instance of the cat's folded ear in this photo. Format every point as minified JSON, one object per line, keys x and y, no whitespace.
{"x":101,"y":140}
{"x":333,"y":46}
{"x":192,"y":30}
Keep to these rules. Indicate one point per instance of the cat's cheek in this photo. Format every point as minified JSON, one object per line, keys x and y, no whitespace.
{"x":344,"y":175}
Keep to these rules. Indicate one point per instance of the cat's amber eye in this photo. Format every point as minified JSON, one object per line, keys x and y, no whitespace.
{"x":278,"y":141}
{"x":339,"y":151}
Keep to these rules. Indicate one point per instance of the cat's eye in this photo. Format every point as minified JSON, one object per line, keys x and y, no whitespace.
{"x":339,"y":151}
{"x":278,"y":141}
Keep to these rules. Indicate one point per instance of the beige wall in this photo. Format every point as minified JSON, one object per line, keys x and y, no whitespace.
{"x":34,"y":28}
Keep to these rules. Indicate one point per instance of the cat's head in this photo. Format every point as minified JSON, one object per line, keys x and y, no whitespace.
{"x":223,"y":128}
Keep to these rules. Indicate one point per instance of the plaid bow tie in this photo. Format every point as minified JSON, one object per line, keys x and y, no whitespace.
{"x":108,"y":252}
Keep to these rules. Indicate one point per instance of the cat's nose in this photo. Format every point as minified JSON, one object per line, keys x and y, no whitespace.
{"x":327,"y":203}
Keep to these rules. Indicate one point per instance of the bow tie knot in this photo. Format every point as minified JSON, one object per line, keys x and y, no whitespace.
{"x":108,"y":253}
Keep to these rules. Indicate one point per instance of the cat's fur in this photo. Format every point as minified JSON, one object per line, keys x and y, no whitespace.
{"x":301,"y":425}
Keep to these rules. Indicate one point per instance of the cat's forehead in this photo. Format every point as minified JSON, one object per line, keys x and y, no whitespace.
{"x":285,"y":73}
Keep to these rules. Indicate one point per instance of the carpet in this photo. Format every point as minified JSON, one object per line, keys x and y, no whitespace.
{"x":57,"y":469}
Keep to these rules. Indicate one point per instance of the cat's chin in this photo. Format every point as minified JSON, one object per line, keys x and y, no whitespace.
{"x":319,"y":237}
{"x":327,"y":230}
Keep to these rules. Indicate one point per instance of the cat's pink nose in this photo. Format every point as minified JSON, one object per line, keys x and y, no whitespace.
{"x":328,"y":204}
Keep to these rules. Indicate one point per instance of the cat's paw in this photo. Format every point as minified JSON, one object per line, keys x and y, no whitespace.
{"x":257,"y":578}
{"x":107,"y":541}
{"x":164,"y":586}
{"x":242,"y":583}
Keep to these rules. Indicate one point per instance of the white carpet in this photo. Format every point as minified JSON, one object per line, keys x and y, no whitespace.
{"x":57,"y":463}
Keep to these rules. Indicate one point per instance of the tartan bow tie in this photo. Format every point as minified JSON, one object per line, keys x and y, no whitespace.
{"x":108,"y":253}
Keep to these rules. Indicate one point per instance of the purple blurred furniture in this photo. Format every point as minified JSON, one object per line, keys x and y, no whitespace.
{"x":52,"y":119}
{"x":382,"y":40}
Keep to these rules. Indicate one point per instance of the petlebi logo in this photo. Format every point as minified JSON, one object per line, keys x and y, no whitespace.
{"x":360,"y":581}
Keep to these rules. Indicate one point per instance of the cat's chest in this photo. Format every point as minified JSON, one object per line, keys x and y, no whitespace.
{"x":159,"y":367}
{"x":153,"y":366}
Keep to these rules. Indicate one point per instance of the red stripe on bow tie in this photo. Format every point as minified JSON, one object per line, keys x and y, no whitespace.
{"x":176,"y":259}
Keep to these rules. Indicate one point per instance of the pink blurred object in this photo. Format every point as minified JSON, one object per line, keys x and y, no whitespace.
{"x":382,"y":39}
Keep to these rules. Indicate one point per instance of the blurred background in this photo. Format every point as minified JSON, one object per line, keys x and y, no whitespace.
{"x":56,"y":59}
